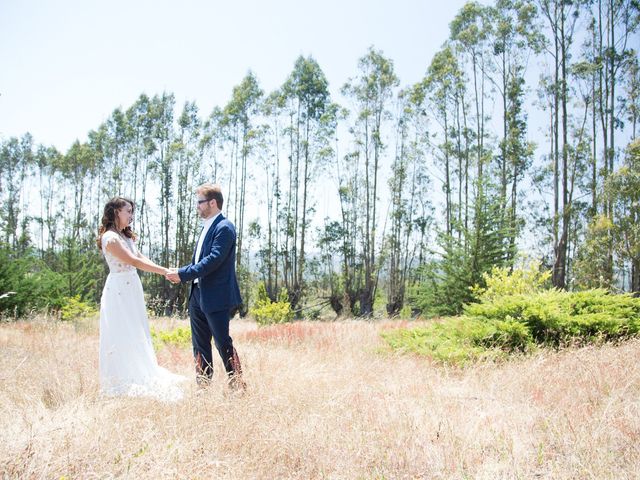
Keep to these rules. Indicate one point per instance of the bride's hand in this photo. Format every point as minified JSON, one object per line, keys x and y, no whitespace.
{"x":172,"y":275}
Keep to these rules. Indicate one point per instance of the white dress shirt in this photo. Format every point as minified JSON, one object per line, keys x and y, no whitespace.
{"x":205,"y":228}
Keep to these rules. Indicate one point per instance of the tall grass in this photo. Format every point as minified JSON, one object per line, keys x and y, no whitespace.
{"x":323,"y":401}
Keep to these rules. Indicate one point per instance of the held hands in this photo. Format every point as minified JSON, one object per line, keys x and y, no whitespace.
{"x":172,"y":275}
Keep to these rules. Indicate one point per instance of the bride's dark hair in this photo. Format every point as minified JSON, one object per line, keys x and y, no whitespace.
{"x":109,"y":218}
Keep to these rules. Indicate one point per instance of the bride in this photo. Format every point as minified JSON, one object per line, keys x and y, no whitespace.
{"x":128,"y":364}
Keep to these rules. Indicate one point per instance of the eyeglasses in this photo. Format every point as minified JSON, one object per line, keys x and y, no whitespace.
{"x":200,"y":202}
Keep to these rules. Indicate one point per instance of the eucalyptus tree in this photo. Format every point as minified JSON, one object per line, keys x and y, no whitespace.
{"x":26,"y":172}
{"x":16,"y":158}
{"x":311,"y":131}
{"x":469,"y":34}
{"x":239,"y":118}
{"x":161,"y":111}
{"x":372,"y":91}
{"x":47,"y":161}
{"x":615,"y":23}
{"x":408,"y":184}
{"x":141,"y":146}
{"x":561,"y":18}
{"x":339,"y":239}
{"x":349,"y":232}
{"x":97,"y":140}
{"x":519,"y":152}
{"x":114,"y":154}
{"x":486,"y":242}
{"x":75,"y":256}
{"x":78,"y":169}
{"x":586,"y":73}
{"x":633,"y":95}
{"x":272,"y":109}
{"x":441,"y":92}
{"x":183,"y":160}
{"x":623,"y":189}
{"x":621,"y":231}
{"x":211,"y":142}
{"x":187,"y":155}
{"x":515,"y":36}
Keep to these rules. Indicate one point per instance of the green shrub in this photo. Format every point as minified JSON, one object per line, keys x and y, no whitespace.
{"x":450,"y":340}
{"x":518,"y":316}
{"x":74,"y":308}
{"x":267,"y":312}
{"x":556,"y":317}
{"x":179,"y":336}
{"x":443,"y":287}
{"x":501,"y":281}
{"x":599,"y":301}
{"x":508,"y":335}
{"x":406,"y":312}
{"x":29,"y":284}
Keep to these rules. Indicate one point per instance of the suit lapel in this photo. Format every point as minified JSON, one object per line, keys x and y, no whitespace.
{"x":208,"y":236}
{"x":195,"y":249}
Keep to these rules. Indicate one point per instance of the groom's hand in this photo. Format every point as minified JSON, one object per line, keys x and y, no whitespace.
{"x":172,"y":275}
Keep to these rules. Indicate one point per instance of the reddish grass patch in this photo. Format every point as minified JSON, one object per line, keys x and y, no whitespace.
{"x":288,"y":333}
{"x":394,"y":324}
{"x":173,"y":355}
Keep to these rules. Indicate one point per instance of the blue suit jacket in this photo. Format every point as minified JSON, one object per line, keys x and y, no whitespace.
{"x":216,"y":268}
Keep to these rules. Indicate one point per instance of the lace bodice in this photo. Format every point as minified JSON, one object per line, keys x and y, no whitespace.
{"x":115,"y":265}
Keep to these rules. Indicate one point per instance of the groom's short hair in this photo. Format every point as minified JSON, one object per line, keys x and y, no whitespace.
{"x":211,"y":192}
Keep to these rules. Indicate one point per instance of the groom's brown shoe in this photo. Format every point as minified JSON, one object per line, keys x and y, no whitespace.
{"x":202,"y":381}
{"x":204,"y":372}
{"x":237,"y":384}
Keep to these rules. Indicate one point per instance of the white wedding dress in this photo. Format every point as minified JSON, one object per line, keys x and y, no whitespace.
{"x":128,"y":364}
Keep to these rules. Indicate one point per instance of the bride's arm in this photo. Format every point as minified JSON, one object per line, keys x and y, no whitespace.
{"x":122,"y":253}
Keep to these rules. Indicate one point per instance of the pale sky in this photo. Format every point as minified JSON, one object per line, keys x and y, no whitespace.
{"x":65,"y":65}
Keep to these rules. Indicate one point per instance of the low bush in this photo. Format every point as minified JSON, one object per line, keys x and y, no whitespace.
{"x":503,"y":281}
{"x":519,"y":316}
{"x":461,"y":339}
{"x":179,"y":336}
{"x":557,"y":317}
{"x":73,"y":308}
{"x":267,"y":312}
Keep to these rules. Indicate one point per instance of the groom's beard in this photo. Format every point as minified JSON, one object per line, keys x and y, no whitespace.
{"x":204,"y":214}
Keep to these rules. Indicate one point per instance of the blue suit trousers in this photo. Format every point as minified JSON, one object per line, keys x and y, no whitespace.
{"x":204,"y":327}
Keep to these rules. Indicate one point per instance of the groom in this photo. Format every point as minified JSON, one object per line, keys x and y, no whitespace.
{"x":214,"y":292}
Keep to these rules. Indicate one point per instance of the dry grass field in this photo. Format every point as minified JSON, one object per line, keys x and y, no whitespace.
{"x":324,"y":400}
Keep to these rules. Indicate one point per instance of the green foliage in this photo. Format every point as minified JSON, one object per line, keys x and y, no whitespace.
{"x":591,"y":268}
{"x":623,"y":189}
{"x":558,"y":317}
{"x":458,"y":340}
{"x":81,"y":267}
{"x":28,"y":283}
{"x":516,"y":315}
{"x":618,"y":232}
{"x":45,"y":281}
{"x":522,"y":321}
{"x":267,"y":312}
{"x":179,"y":336}
{"x":443,"y":285}
{"x":502,"y":281}
{"x":245,"y":283}
{"x":406,"y":312}
{"x":446,"y":283}
{"x":73,"y":308}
